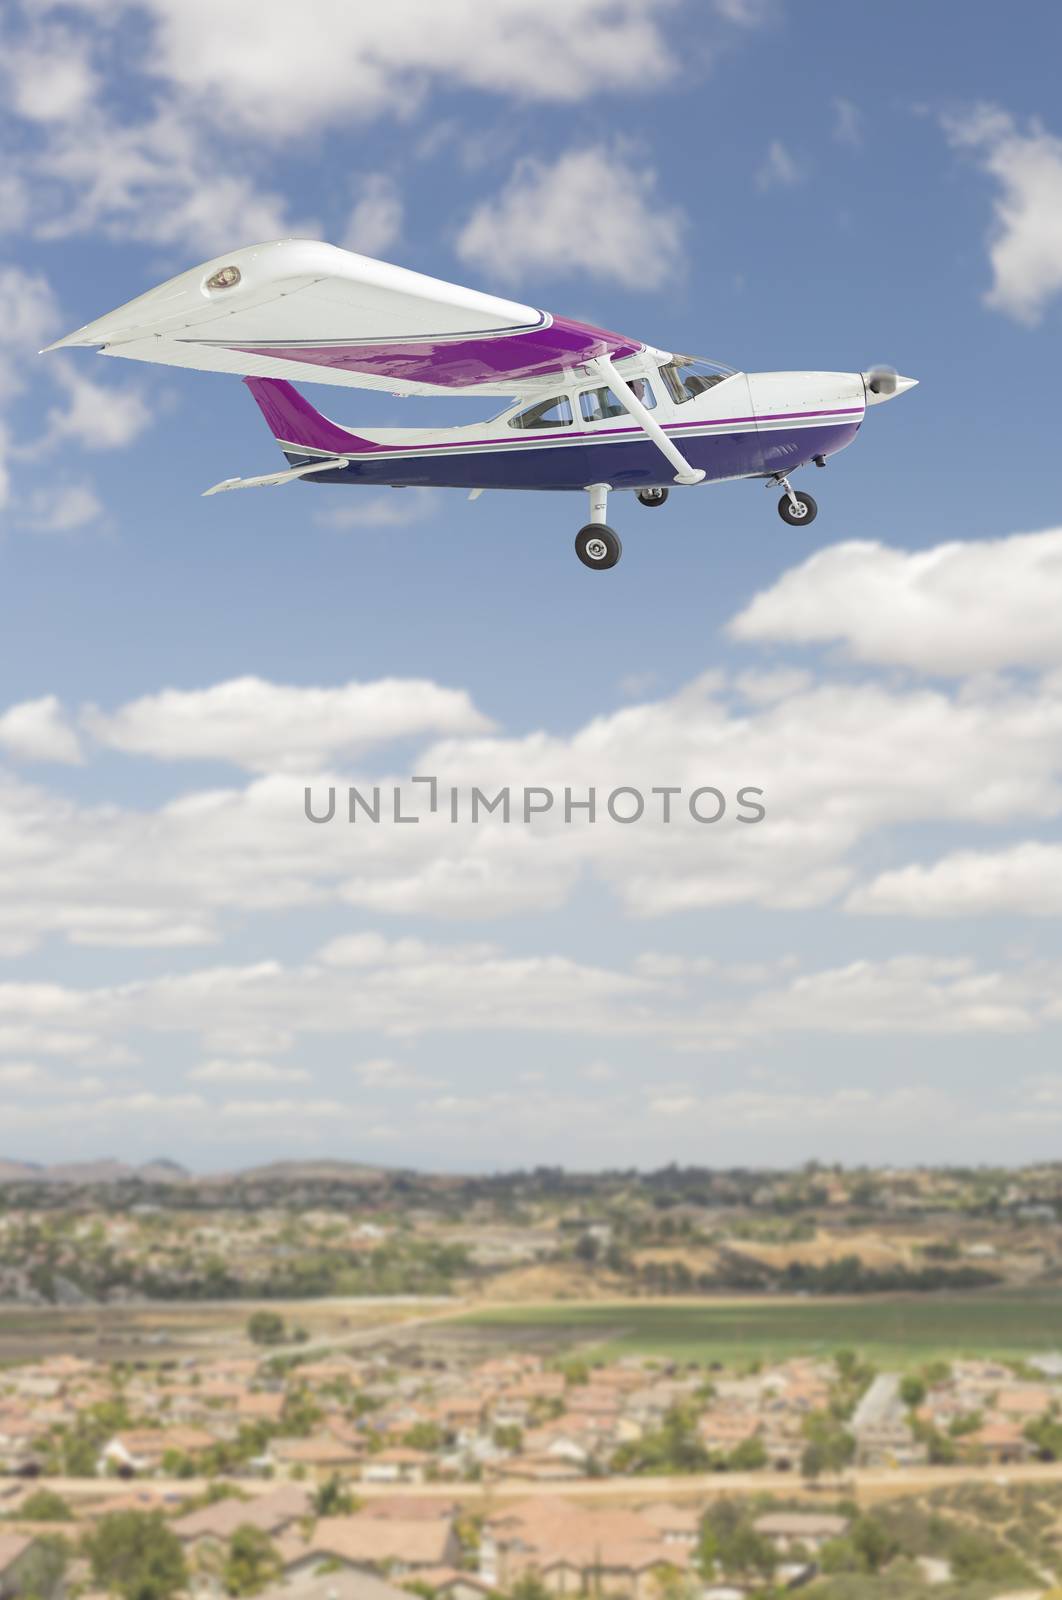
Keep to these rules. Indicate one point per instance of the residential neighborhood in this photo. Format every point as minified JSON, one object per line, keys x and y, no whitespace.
{"x":466,"y":1477}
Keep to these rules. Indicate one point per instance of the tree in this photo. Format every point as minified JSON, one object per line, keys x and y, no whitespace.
{"x":45,"y":1506}
{"x":912,"y":1390}
{"x":137,"y":1555}
{"x":252,"y":1561}
{"x":530,"y":1587}
{"x":334,"y":1499}
{"x":748,"y":1456}
{"x":265,"y":1327}
{"x":829,"y":1448}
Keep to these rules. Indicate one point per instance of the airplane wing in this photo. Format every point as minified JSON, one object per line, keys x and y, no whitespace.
{"x":300,"y":309}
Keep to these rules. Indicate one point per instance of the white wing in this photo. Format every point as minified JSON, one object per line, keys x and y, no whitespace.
{"x":298,"y":308}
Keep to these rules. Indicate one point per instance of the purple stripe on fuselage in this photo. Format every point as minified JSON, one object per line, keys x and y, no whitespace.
{"x":632,"y":463}
{"x":462,"y":363}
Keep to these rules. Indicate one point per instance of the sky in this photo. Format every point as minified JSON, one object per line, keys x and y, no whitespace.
{"x":873,"y":972}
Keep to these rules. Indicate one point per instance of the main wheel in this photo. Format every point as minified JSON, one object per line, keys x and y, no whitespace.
{"x":652,"y":497}
{"x":597,"y":546}
{"x":798,"y":515}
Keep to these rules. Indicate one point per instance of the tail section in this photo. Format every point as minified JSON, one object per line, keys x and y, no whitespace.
{"x":294,"y":422}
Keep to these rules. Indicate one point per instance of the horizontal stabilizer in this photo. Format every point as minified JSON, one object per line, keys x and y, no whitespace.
{"x":268,"y":479}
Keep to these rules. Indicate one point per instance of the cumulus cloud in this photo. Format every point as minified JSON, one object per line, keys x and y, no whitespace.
{"x":780,"y":169}
{"x":955,"y":608}
{"x":1024,"y":879}
{"x":61,"y":508}
{"x":594,"y":211}
{"x":97,"y":416}
{"x":258,"y":71}
{"x":1025,"y":251}
{"x":29,"y":316}
{"x":376,"y":220}
{"x":38,"y":730}
{"x":49,"y":75}
{"x":393,"y":509}
{"x":278,"y":727}
{"x":246,"y":1071}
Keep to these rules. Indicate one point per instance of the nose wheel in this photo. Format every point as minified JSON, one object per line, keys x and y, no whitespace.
{"x":798,"y":509}
{"x":652,"y":497}
{"x":597,"y":546}
{"x":795,"y":507}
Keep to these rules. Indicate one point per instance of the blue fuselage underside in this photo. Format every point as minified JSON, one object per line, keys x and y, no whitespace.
{"x":627,"y":464}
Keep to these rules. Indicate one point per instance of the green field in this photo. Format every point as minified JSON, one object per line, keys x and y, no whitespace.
{"x":896,"y":1331}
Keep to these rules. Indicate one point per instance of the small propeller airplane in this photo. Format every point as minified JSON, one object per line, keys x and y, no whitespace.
{"x":586,"y":409}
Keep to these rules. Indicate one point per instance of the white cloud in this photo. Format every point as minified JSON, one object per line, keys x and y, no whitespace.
{"x":246,"y":64}
{"x":779,"y":169}
{"x":29,"y":316}
{"x":61,"y":508}
{"x":278,"y":727}
{"x":376,"y":220}
{"x":594,"y":211}
{"x":383,"y":1073}
{"x":955,"y":608}
{"x":158,"y":181}
{"x":37,"y":730}
{"x":393,"y":509}
{"x":49,"y":75}
{"x":1025,"y":880}
{"x":14,"y":202}
{"x":1026,"y":247}
{"x":97,"y":416}
{"x":246,"y":1071}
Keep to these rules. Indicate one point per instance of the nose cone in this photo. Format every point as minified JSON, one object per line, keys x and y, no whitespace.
{"x":882,"y":383}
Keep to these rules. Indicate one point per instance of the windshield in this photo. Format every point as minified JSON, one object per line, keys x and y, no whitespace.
{"x":688,"y":376}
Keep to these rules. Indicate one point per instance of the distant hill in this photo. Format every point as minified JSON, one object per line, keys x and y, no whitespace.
{"x":105,"y":1170}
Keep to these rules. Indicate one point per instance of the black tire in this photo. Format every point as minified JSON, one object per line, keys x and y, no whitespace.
{"x":788,"y":513}
{"x":597,"y":546}
{"x":652,"y":497}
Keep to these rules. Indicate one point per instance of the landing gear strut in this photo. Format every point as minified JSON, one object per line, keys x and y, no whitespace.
{"x":596,"y":544}
{"x":652,"y":497}
{"x":796,"y":509}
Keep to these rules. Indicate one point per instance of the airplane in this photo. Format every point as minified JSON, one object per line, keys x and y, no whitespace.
{"x":586,"y":409}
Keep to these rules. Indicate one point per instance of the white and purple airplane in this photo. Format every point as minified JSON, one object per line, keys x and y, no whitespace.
{"x":586,"y":409}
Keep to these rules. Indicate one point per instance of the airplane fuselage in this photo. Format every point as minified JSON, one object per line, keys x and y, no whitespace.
{"x":745,"y":425}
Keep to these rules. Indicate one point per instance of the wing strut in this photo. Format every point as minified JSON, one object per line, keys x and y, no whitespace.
{"x":606,"y":368}
{"x":267,"y":479}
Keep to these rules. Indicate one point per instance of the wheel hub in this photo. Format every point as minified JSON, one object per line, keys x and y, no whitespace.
{"x":596,"y":549}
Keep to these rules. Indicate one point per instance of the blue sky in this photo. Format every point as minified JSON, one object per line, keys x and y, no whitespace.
{"x":872,"y":973}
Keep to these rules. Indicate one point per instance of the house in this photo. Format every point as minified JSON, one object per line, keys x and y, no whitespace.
{"x":788,"y":1529}
{"x":572,"y":1550}
{"x":448,"y":1584}
{"x":676,"y":1525}
{"x":318,"y":1458}
{"x":402,"y":1464}
{"x":998,"y":1441}
{"x":15,"y":1552}
{"x":145,"y":1449}
{"x":403,"y":1545}
{"x":351,"y":1583}
{"x":213,"y":1526}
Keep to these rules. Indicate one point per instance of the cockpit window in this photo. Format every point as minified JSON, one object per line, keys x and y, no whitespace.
{"x":597,"y":405}
{"x":555,"y":413}
{"x":685,"y":377}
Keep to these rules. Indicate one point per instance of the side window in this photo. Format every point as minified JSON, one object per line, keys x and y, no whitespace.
{"x":597,"y":405}
{"x":642,"y":390}
{"x":555,"y":413}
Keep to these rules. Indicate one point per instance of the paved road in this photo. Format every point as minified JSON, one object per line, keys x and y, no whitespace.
{"x":863,"y":1484}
